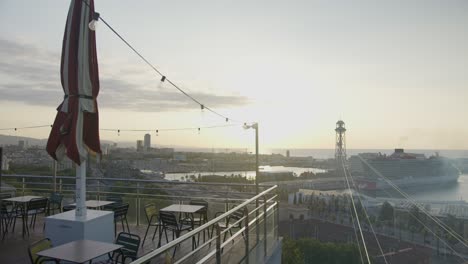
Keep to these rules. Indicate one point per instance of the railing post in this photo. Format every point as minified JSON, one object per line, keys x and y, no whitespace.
{"x":218,"y":244}
{"x":276,"y":225}
{"x":60,"y":185}
{"x":98,"y":190}
{"x":246,"y":213}
{"x":138,"y":204}
{"x":265,"y":225}
{"x":257,"y":222}
{"x":23,"y":184}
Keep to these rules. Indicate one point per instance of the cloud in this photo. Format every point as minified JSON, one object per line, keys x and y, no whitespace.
{"x":30,"y":75}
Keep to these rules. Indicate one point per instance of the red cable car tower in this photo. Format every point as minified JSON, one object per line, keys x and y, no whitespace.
{"x":340,"y":146}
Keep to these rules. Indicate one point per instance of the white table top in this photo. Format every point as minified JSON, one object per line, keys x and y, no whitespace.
{"x":96,"y":203}
{"x":22,"y":199}
{"x":183,"y":208}
{"x":79,"y":251}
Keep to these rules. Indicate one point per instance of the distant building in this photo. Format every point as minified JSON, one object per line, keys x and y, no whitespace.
{"x":147,"y":142}
{"x":180,"y":157}
{"x":22,"y":144}
{"x":63,"y":164}
{"x":5,"y":165}
{"x":139,"y":145}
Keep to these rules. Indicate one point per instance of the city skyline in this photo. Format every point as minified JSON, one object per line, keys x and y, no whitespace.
{"x":396,"y":70}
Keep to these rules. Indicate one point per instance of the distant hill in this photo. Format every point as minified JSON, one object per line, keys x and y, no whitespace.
{"x":13,"y":140}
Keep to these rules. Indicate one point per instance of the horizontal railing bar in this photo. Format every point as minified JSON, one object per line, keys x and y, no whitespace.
{"x":207,"y":257}
{"x":199,"y":229}
{"x":196,"y":250}
{"x":133,"y":180}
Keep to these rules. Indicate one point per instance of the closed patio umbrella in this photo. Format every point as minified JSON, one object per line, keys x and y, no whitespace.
{"x":75,"y":131}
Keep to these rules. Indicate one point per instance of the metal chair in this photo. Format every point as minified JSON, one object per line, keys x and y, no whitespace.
{"x":39,"y":246}
{"x":130,"y":243}
{"x":200,"y":217}
{"x":231,"y":222}
{"x":68,"y":207}
{"x":151,"y":213}
{"x":117,"y":202}
{"x":120,"y":214}
{"x":5,"y":213}
{"x":32,"y":208}
{"x":55,"y":203}
{"x":35,"y":207}
{"x":169,"y":221}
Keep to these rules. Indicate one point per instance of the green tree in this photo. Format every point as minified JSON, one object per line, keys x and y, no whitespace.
{"x":386,"y":212}
{"x":314,"y":251}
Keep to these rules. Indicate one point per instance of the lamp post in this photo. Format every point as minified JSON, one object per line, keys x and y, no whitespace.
{"x":1,"y":167}
{"x":255,"y":126}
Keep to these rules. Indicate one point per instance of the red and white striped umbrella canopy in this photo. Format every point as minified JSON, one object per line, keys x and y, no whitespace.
{"x":75,"y":131}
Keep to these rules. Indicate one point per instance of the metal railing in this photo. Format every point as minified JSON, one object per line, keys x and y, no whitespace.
{"x":258,"y":226}
{"x":203,"y":253}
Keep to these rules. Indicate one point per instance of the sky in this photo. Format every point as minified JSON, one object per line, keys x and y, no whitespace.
{"x":394,"y":71}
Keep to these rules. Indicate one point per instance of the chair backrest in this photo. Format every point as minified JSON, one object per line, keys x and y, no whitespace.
{"x":56,"y":198}
{"x":116,"y":199}
{"x":36,"y":247}
{"x":130,"y":243}
{"x":37,"y":203}
{"x":68,"y":207}
{"x":117,"y":202}
{"x":121,"y":210}
{"x":4,"y":204}
{"x":202,"y":203}
{"x":150,"y":210}
{"x":236,"y":216}
{"x":168,"y":219}
{"x":5,"y":196}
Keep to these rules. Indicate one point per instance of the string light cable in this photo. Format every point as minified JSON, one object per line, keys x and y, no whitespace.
{"x":131,"y":130}
{"x":97,"y":16}
{"x":27,"y":127}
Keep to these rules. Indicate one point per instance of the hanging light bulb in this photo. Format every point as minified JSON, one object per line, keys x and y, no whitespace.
{"x":198,"y":131}
{"x":118,"y":132}
{"x":92,"y":24}
{"x":157,"y":132}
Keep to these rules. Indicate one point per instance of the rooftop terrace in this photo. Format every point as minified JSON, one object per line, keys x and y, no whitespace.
{"x":252,"y":237}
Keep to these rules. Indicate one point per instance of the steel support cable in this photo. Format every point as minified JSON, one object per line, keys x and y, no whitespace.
{"x":432,"y":232}
{"x":355,"y":231}
{"x":367,"y":216}
{"x":355,"y":211}
{"x":356,"y":236}
{"x":408,"y":198}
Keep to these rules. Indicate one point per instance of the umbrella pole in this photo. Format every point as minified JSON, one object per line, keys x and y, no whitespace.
{"x":81,"y":190}
{"x":55,"y":176}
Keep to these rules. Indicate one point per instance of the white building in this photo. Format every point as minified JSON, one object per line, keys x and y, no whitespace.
{"x":147,"y":142}
{"x":5,"y":163}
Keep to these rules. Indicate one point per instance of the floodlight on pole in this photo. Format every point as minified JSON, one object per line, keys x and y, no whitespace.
{"x":257,"y":174}
{"x":255,"y":126}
